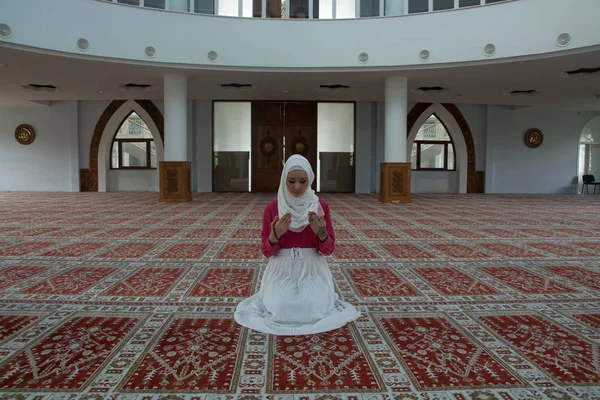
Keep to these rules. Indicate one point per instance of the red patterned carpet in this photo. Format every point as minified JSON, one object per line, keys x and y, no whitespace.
{"x":478,"y":297}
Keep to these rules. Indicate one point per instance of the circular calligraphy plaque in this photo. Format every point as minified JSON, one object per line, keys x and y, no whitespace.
{"x":25,"y":134}
{"x":268,"y":146}
{"x":533,"y":138}
{"x":300,"y":145}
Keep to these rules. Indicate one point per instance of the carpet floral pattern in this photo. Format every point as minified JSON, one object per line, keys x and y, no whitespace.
{"x":463,"y":297}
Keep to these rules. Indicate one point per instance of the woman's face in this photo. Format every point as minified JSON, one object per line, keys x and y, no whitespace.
{"x":297,"y":182}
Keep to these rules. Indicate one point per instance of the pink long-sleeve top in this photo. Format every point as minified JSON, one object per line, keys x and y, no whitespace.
{"x":306,"y":239}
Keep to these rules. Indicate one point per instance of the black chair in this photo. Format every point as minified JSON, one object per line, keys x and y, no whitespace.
{"x":587,"y":181}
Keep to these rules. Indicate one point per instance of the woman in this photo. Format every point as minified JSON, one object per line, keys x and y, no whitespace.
{"x":297,"y":295}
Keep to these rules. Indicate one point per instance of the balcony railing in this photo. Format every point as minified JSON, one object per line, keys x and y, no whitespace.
{"x":306,"y":9}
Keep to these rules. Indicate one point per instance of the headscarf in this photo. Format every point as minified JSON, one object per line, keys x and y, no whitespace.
{"x":298,"y":206}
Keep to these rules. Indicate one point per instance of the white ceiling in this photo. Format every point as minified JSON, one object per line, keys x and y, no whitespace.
{"x":84,"y":79}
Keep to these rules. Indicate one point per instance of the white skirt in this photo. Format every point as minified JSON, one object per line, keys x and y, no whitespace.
{"x":296,"y":297}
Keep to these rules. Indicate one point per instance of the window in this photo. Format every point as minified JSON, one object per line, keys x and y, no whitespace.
{"x":589,"y":149}
{"x":232,"y":134}
{"x":443,"y":5}
{"x":369,"y":8}
{"x":469,"y":3}
{"x":418,"y":6}
{"x":335,"y":147}
{"x":393,"y":7}
{"x":345,"y":9}
{"x":159,"y":4}
{"x":133,"y":146}
{"x":298,"y":9}
{"x":204,"y":7}
{"x":433,"y":148}
{"x":179,"y":5}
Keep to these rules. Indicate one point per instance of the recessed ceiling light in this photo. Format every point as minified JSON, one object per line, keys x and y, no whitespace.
{"x":334,"y":88}
{"x":528,"y":92}
{"x":429,"y":90}
{"x":39,"y":88}
{"x":237,"y":86}
{"x":583,"y":73}
{"x":100,"y":91}
{"x":136,"y":87}
{"x":286,"y":91}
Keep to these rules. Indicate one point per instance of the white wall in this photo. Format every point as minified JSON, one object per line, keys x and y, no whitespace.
{"x":50,"y":163}
{"x":373,"y":121}
{"x":89,"y":114}
{"x":365,"y":126}
{"x":512,"y":167}
{"x":132,"y":180}
{"x":476,"y":116}
{"x":203,"y":145}
{"x":122,"y":180}
{"x":64,"y":132}
{"x":434,"y":182}
{"x":452,"y":36}
{"x":379,"y":143}
{"x":118,"y":180}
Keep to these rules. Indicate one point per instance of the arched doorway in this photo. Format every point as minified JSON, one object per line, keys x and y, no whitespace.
{"x":95,"y":179}
{"x":589,"y":150}
{"x":469,"y":180}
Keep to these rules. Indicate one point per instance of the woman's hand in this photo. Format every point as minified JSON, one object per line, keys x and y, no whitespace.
{"x":279,"y":227}
{"x":318,"y":225}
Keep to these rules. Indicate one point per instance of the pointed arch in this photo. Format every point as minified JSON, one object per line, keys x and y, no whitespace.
{"x":588,"y":145}
{"x":457,"y":127}
{"x":110,"y":121}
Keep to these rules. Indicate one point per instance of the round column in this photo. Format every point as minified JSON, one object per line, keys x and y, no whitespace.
{"x":396,"y":110}
{"x":175,"y":172}
{"x":395,"y":172}
{"x":175,"y":117}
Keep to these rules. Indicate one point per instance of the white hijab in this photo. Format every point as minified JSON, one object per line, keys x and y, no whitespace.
{"x":298,"y":206}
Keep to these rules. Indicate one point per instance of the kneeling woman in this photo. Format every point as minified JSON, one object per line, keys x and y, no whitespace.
{"x":297,"y":295}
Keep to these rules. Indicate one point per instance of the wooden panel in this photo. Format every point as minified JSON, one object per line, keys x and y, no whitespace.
{"x":395,"y":182}
{"x":175,"y":181}
{"x":476,"y":181}
{"x":301,"y":131}
{"x":271,"y":121}
{"x":267,"y":146}
{"x":87,"y":181}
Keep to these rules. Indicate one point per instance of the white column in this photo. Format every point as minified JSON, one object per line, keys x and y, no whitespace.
{"x":396,"y":91}
{"x":175,"y":117}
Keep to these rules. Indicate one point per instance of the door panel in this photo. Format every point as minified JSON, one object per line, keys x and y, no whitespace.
{"x":267,"y":146}
{"x":301,"y":131}
{"x":273,"y":124}
{"x":267,"y":163}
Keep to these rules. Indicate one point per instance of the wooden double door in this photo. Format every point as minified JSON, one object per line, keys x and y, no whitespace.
{"x":280,"y":129}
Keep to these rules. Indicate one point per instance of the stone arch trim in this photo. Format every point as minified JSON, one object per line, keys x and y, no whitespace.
{"x":475,"y":183}
{"x":89,"y":178}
